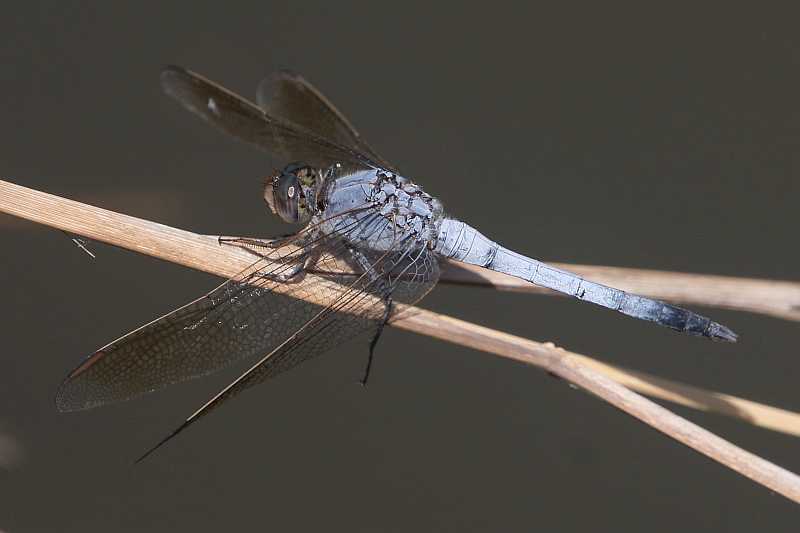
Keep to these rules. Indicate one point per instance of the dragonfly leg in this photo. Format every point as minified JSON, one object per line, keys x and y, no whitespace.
{"x":295,"y":274}
{"x":298,"y":272}
{"x":289,"y":273}
{"x":374,"y":342}
{"x":247,"y":242}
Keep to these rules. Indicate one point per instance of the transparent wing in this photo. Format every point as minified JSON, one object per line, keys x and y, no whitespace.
{"x":289,"y":96}
{"x":244,"y":317}
{"x":245,"y":121}
{"x":356,"y":303}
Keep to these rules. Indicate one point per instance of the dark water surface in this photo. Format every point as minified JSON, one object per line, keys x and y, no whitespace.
{"x":659,"y":140}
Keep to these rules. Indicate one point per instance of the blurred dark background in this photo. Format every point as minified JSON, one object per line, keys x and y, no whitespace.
{"x":655,"y":139}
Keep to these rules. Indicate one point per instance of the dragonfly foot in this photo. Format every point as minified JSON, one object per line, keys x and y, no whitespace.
{"x":295,"y":274}
{"x":248,"y":242}
{"x":374,"y":342}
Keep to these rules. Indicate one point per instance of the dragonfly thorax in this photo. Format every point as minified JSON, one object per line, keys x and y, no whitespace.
{"x":406,"y":205}
{"x":392,"y":209}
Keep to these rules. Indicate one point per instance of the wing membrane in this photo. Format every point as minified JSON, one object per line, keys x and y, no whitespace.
{"x":244,"y":317}
{"x":245,"y":121}
{"x":406,"y":273}
{"x":289,"y":96}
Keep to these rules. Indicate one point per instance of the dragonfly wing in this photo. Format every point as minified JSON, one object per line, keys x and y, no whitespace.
{"x":245,"y":121}
{"x":357,"y":304}
{"x":244,"y":317}
{"x":289,"y":96}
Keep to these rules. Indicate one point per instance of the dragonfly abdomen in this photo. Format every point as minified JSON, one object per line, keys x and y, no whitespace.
{"x":464,"y":243}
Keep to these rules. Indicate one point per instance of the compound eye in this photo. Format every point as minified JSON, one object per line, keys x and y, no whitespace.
{"x":281,"y":194}
{"x":286,"y":194}
{"x":288,"y":197}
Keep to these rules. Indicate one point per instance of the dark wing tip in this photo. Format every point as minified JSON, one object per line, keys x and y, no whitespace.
{"x":265,"y":92}
{"x":286,"y":73}
{"x":170,"y":71}
{"x":173,"y":70}
{"x":63,"y":406}
{"x":66,"y":400}
{"x":69,"y":396}
{"x":172,"y":77}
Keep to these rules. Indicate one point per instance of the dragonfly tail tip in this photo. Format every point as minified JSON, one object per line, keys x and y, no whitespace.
{"x":722,"y":333}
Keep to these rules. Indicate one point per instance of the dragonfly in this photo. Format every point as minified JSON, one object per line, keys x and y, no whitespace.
{"x":369,"y":245}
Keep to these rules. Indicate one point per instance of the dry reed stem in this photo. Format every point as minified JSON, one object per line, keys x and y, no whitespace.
{"x":204,"y":253}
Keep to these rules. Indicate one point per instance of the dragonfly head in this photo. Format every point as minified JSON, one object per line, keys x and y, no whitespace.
{"x":291,"y":193}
